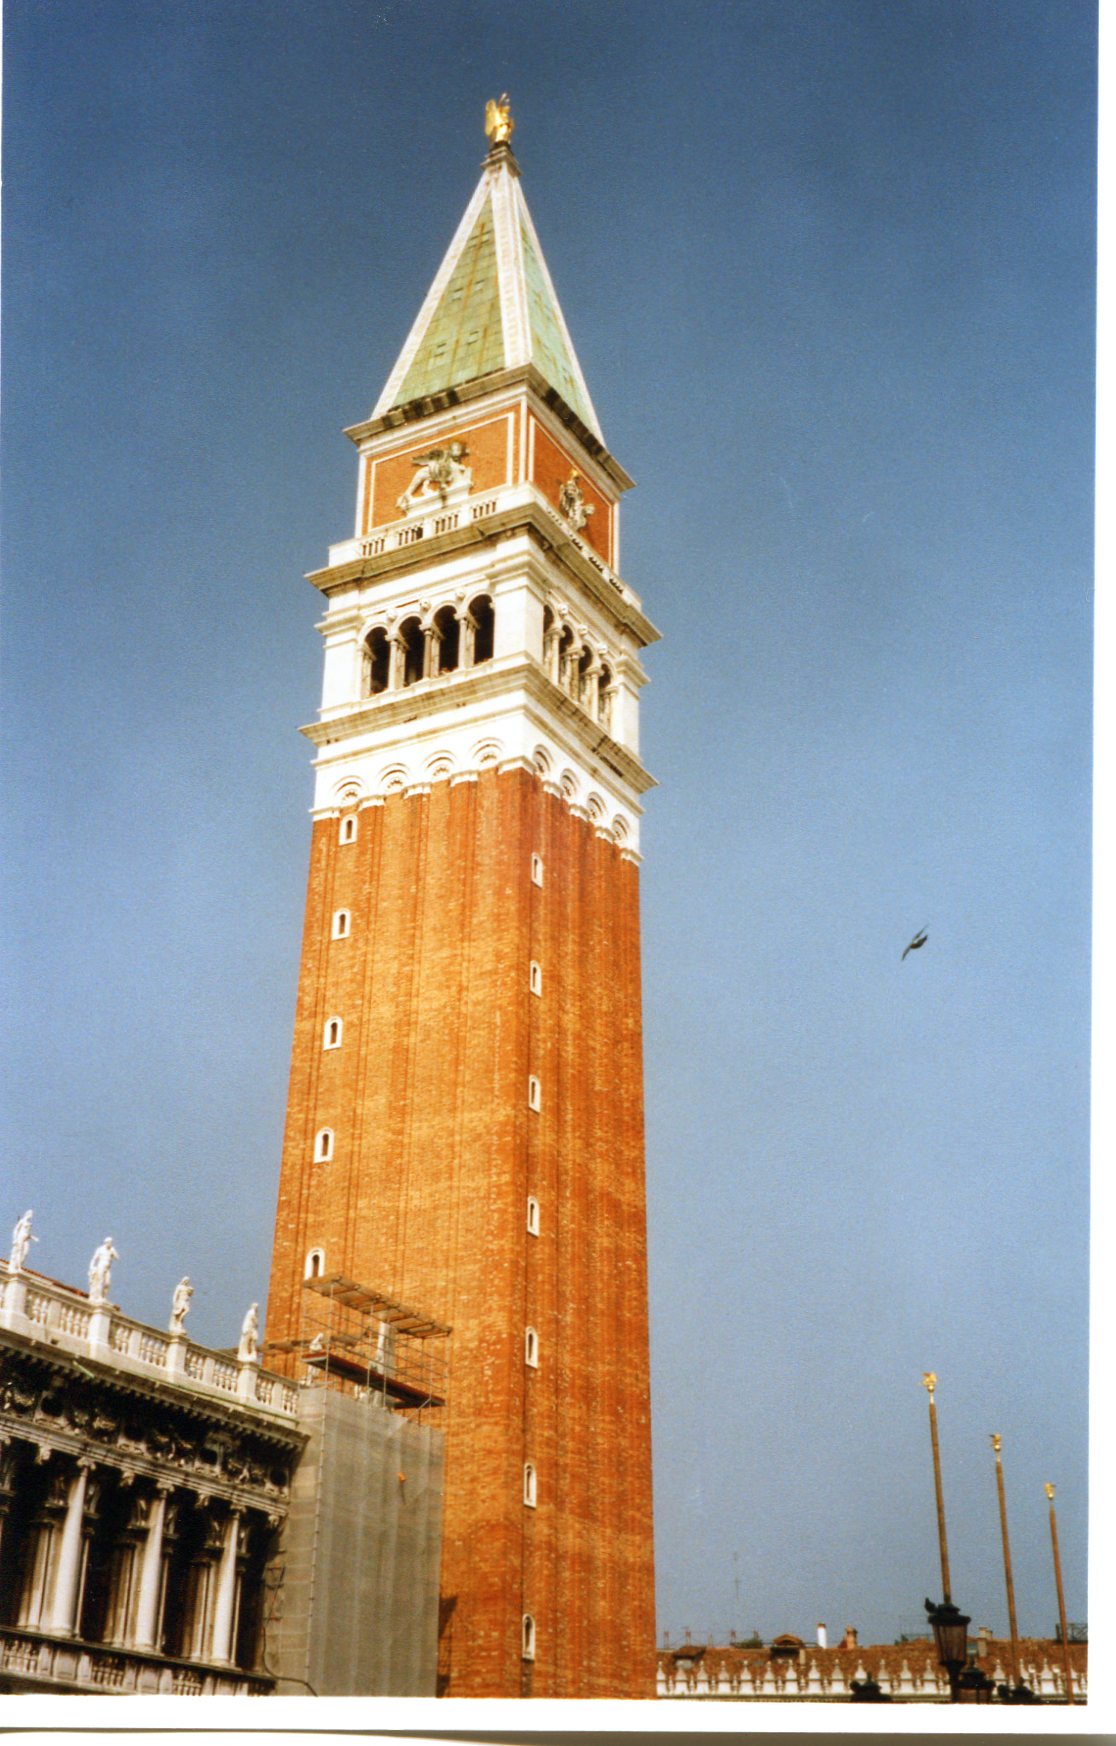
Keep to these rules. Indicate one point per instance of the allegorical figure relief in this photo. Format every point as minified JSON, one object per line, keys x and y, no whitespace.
{"x":439,"y":470}
{"x":498,"y":123}
{"x":100,"y":1271}
{"x":249,"y":1335}
{"x":571,"y":502}
{"x":22,"y":1240}
{"x":180,"y":1303}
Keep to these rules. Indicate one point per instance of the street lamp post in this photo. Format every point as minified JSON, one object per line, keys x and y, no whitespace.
{"x":1049,"y":1489}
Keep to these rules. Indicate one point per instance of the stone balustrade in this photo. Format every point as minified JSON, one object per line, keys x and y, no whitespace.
{"x":39,"y":1660}
{"x":906,"y":1673}
{"x":65,"y":1317}
{"x":437,"y":521}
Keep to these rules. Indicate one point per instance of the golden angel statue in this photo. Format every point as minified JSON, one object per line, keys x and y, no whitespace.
{"x":498,"y":123}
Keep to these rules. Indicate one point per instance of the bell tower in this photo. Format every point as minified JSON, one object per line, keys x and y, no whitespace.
{"x":465,"y":1119}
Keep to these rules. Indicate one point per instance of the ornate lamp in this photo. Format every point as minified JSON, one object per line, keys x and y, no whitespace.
{"x":951,"y":1637}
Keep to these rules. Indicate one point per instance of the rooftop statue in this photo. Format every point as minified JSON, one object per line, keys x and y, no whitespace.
{"x":22,"y":1240}
{"x":250,"y":1335}
{"x":180,"y":1303}
{"x":100,"y":1271}
{"x":498,"y":123}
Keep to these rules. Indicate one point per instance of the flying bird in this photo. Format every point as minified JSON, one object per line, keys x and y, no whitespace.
{"x":919,"y":940}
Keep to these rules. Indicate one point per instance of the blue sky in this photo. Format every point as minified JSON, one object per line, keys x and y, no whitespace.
{"x":829,"y":271}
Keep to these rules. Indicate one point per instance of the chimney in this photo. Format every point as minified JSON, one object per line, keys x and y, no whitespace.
{"x":984,"y":1637}
{"x":850,"y":1637}
{"x":823,"y":1637}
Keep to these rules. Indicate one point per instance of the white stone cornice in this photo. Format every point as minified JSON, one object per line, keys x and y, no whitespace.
{"x":432,"y":700}
{"x":511,"y":724}
{"x":524,"y":511}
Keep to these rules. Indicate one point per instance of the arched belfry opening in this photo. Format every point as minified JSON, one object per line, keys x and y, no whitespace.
{"x":484,"y":632}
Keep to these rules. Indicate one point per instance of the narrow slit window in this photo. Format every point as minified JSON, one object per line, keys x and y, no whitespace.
{"x":528,"y":1637}
{"x":529,"y":1486}
{"x":531,"y":1348}
{"x":323,"y":1146}
{"x":536,"y":870}
{"x":532,"y":1215}
{"x":536,"y":977}
{"x":534,"y":1094}
{"x":315,"y":1264}
{"x":348,"y":829}
{"x":332,"y":1037}
{"x":342,"y":921}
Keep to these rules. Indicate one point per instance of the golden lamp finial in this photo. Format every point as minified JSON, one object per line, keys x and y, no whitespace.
{"x":498,"y":123}
{"x":997,"y":1441}
{"x":929,"y":1382}
{"x":1049,"y":1490}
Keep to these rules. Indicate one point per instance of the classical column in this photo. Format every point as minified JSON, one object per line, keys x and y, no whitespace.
{"x":7,"y":1476}
{"x":35,"y":1590}
{"x":550,"y":651}
{"x":224,"y":1610}
{"x":197,"y":1635}
{"x":145,"y":1635}
{"x":430,"y":641}
{"x":397,"y":656}
{"x":466,"y":639}
{"x":68,"y":1569}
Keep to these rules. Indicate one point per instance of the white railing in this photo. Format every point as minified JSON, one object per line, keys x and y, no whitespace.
{"x":90,"y":1667}
{"x":150,"y":1349}
{"x":224,"y":1376}
{"x":30,"y":1304}
{"x":823,"y":1679}
{"x":409,"y":531}
{"x":73,"y":1320}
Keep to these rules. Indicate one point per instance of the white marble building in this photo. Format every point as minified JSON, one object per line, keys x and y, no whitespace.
{"x":142,"y":1482}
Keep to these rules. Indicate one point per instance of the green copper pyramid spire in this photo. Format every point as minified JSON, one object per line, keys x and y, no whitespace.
{"x":492,"y":305}
{"x":464,"y":337}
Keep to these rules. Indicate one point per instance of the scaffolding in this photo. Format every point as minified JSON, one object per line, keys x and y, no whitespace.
{"x":357,"y":1341}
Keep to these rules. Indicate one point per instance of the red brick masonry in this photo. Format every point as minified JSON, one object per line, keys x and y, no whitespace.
{"x":435,"y":1154}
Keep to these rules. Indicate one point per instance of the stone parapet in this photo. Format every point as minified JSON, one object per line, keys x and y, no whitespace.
{"x":64,"y":1318}
{"x":905,"y":1672}
{"x":33,"y":1661}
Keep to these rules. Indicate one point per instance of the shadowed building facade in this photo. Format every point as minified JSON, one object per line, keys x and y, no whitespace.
{"x":465,"y":1120}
